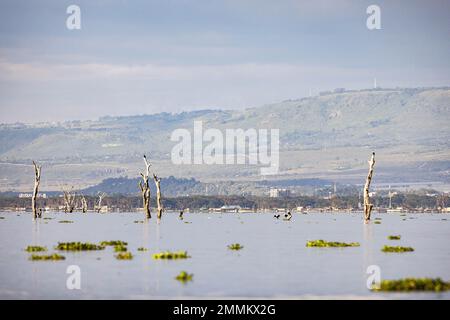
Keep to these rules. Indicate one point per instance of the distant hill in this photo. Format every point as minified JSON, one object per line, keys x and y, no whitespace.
{"x":175,"y":187}
{"x":172,"y":187}
{"x":328,"y":137}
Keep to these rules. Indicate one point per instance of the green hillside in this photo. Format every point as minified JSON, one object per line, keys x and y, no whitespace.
{"x":328,"y":136}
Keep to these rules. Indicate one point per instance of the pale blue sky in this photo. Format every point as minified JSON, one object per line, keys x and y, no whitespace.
{"x":134,"y":57}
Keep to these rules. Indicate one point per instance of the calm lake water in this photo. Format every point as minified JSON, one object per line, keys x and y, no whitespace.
{"x":273,"y":264}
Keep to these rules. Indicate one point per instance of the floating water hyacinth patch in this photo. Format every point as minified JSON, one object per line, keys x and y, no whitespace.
{"x":113,"y":243}
{"x":138,"y":221}
{"x":394,"y":237}
{"x":47,"y":218}
{"x":65,"y":221}
{"x":396,"y":249}
{"x":377,"y":222}
{"x":51,"y":257}
{"x":124,"y":256}
{"x":378,"y":219}
{"x":171,"y":255}
{"x":414,"y":284}
{"x":142,"y":249}
{"x":120,"y":248}
{"x":329,"y":244}
{"x":184,"y":277}
{"x":235,"y":246}
{"x":78,"y":246}
{"x":35,"y":249}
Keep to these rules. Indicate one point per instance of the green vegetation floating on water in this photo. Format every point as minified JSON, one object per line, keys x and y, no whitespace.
{"x":378,"y":219}
{"x":377,"y":222}
{"x":142,"y":249}
{"x":120,"y":248}
{"x":396,"y":249}
{"x":35,"y":249}
{"x":65,"y":221}
{"x":124,"y":256}
{"x":138,"y":221}
{"x":184,"y":277}
{"x":327,"y":244}
{"x":171,"y":255}
{"x":113,"y":243}
{"x":235,"y":246}
{"x":78,"y":246}
{"x":47,"y":218}
{"x":394,"y":237}
{"x":414,"y":284}
{"x":52,"y":257}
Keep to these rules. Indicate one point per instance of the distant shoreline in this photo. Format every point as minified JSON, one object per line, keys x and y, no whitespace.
{"x":400,"y":203}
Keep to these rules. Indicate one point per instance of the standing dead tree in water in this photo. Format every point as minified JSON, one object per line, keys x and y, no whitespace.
{"x":84,"y":206}
{"x":145,"y":188}
{"x":367,"y":205}
{"x":100,"y":196}
{"x":158,"y":195}
{"x":37,"y":181}
{"x":69,"y":200}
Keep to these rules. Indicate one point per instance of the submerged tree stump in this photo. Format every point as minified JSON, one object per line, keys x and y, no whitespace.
{"x":145,"y":188}
{"x":158,"y":195}
{"x":367,"y":205}
{"x":100,"y":196}
{"x":84,"y":206}
{"x":37,"y":181}
{"x":69,"y":200}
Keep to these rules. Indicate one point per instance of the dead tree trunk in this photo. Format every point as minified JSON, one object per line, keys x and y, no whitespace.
{"x":100,"y":195}
{"x":84,"y":206}
{"x":145,"y":188}
{"x":69,"y":200}
{"x":367,"y":205}
{"x":37,"y":181}
{"x":158,"y":195}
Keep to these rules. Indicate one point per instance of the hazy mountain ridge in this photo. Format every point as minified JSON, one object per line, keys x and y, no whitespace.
{"x":129,"y":186}
{"x":329,"y":134}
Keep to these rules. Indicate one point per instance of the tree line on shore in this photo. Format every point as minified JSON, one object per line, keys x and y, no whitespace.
{"x":72,"y":201}
{"x":407,"y":200}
